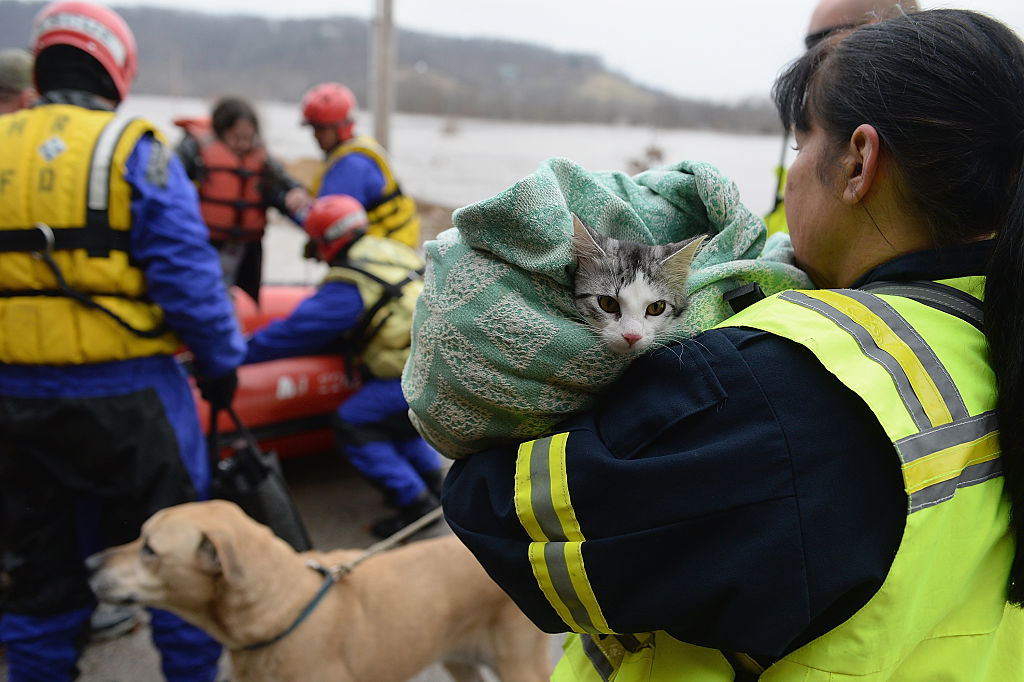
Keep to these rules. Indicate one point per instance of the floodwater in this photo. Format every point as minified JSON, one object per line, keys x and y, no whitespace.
{"x":454,"y":162}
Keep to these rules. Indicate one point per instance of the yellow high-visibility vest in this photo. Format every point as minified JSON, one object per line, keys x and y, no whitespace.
{"x":941,"y":612}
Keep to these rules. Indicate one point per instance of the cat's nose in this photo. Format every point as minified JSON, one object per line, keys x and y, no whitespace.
{"x":631,"y":338}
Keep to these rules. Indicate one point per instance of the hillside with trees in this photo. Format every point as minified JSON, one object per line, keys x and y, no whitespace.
{"x":202,"y":55}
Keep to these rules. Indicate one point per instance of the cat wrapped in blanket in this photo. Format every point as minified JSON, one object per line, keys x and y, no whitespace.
{"x":502,"y":352}
{"x":630,"y":293}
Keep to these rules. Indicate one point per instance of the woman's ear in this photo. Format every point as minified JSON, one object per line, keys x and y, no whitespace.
{"x":861,"y":162}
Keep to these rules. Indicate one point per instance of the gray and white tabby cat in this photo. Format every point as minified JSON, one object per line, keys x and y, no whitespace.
{"x":628,"y":292}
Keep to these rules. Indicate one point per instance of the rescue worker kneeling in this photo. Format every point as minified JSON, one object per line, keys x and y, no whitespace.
{"x":364,"y":308}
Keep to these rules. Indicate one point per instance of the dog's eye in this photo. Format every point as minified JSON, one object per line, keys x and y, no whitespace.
{"x":147,"y":551}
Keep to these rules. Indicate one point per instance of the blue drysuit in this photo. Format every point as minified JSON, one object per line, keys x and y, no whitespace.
{"x":394,"y":459}
{"x":112,"y":442}
{"x":356,"y":175}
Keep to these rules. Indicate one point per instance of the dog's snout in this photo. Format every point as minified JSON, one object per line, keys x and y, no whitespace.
{"x":95,"y":562}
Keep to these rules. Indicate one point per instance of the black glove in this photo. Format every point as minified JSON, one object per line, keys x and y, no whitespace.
{"x":309,"y":250}
{"x":219,"y":391}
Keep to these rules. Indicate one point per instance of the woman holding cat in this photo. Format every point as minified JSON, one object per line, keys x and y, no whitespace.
{"x":816,"y":489}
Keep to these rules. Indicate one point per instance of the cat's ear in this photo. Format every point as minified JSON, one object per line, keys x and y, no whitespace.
{"x":585,"y":240}
{"x":680,"y":258}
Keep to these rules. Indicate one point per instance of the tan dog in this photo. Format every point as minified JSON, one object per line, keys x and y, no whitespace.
{"x":393,"y":615}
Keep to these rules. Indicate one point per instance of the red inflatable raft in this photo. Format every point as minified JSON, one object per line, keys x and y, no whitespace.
{"x":288,"y":403}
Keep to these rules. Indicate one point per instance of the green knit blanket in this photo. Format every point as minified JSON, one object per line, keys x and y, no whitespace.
{"x":499,"y":354}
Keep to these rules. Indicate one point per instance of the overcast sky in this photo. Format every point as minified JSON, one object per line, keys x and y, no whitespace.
{"x":721,"y":49}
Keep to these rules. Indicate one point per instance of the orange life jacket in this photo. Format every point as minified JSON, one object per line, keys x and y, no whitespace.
{"x":229,"y":185}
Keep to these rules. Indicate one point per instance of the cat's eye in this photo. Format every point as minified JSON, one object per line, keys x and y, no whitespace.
{"x":656,"y":308}
{"x":608,"y":304}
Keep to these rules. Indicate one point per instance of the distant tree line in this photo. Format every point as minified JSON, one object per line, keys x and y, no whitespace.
{"x":201,"y":55}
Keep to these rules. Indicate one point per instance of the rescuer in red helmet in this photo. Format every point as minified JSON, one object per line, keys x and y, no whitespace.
{"x":105,"y":271}
{"x":356,"y":165}
{"x":364,"y":306}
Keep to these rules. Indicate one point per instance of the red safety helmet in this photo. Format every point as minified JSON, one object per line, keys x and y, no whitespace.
{"x":94,"y":29}
{"x":334,"y":222}
{"x":330,"y":104}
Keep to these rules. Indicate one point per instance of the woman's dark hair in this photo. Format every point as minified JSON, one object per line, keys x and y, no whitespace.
{"x":945,"y":91}
{"x":230,"y":111}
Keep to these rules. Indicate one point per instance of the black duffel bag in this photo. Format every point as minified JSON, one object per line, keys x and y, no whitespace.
{"x":252,"y":479}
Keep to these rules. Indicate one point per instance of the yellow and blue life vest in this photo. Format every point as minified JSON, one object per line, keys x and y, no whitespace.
{"x":393,"y":214}
{"x":63,"y":194}
{"x":388,"y":275}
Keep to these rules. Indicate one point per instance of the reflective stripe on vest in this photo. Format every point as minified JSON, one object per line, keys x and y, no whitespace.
{"x":885,"y":337}
{"x":603,"y":663}
{"x":939,"y":296}
{"x":951,"y":448}
{"x":102,"y":159}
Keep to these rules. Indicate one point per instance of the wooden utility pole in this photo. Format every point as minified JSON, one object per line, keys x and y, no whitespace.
{"x":382,"y":67}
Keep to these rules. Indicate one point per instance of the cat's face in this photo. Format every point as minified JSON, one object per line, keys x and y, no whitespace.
{"x":630,"y":293}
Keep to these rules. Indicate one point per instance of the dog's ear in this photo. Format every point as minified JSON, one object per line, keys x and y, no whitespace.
{"x":216,"y":555}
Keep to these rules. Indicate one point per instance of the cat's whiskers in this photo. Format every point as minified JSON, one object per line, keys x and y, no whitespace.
{"x":695,"y":341}
{"x":678,"y":353}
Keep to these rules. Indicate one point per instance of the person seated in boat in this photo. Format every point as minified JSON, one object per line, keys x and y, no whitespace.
{"x":364,"y":308}
{"x":357,"y":165}
{"x":238,"y":181}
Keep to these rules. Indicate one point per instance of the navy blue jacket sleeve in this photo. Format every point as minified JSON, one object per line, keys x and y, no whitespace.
{"x":355,"y":175}
{"x":312,"y":327}
{"x":730,"y":491}
{"x":170,"y":243}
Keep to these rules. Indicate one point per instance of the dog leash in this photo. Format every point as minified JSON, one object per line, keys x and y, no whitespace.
{"x":334,"y":573}
{"x":340,"y":570}
{"x":328,"y":582}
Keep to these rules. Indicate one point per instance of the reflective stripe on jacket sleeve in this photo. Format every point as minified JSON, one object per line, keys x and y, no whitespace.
{"x":544,"y":507}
